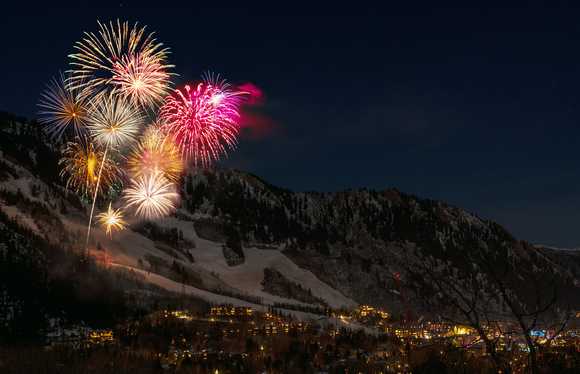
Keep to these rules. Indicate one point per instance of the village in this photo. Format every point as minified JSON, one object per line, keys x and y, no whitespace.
{"x":226,"y":338}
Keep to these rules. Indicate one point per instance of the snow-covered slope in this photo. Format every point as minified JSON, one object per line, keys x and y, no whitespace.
{"x":128,"y":247}
{"x":557,"y":248}
{"x":336,"y":249}
{"x":132,"y":249}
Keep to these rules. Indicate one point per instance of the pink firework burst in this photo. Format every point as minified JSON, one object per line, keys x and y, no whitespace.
{"x":203,"y":120}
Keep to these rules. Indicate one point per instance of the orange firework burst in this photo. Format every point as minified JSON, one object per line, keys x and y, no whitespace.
{"x":80,"y":164}
{"x":111,"y":220}
{"x":156,"y":153}
{"x":124,"y":58}
{"x":62,"y":108}
{"x":152,"y":195}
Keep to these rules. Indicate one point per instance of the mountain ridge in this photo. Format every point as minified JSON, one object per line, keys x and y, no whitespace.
{"x":357,"y":246}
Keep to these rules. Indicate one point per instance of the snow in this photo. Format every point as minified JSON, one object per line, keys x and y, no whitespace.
{"x":177,"y":287}
{"x":555,"y":248}
{"x":24,"y":220}
{"x":210,"y":297}
{"x":126,"y":248}
{"x":248,"y":276}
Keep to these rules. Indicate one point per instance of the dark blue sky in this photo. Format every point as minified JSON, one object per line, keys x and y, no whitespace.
{"x":476,"y":106}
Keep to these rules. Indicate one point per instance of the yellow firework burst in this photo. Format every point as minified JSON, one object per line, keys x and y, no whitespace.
{"x":154,"y":154}
{"x":80,"y":164}
{"x":113,"y":121}
{"x":152,"y":195}
{"x":62,"y":108}
{"x":111,"y":220}
{"x":125,"y":58}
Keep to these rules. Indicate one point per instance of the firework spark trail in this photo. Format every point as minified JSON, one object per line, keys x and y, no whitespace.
{"x":123,"y":58}
{"x":95,"y":200}
{"x":203,"y":121}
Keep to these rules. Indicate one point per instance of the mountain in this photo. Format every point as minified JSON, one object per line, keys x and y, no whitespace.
{"x":360,"y":241}
{"x":238,"y":239}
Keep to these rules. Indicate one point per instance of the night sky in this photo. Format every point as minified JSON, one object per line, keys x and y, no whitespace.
{"x":474,"y":106}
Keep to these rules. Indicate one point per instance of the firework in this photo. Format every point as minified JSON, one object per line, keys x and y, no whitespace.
{"x":124,"y":58}
{"x":152,"y":195}
{"x":203,"y":121}
{"x":113,"y":121}
{"x":155,"y":153}
{"x":62,"y":108}
{"x":141,"y":79}
{"x":112,"y":219}
{"x":80,"y":163}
